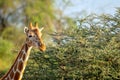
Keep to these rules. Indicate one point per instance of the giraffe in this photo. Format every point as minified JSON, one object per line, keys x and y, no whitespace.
{"x":33,"y":39}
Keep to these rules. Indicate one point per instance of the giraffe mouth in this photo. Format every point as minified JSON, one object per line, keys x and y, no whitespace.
{"x":42,"y":47}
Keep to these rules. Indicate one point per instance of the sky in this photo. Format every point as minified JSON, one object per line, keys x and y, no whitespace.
{"x":86,"y":7}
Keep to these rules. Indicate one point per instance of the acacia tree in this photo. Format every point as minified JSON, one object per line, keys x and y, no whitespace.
{"x":86,"y":51}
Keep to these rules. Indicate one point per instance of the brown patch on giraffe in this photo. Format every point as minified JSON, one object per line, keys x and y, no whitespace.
{"x":24,"y":56}
{"x":9,"y":78}
{"x":17,"y":75}
{"x":15,"y":67}
{"x":20,"y":66}
{"x":20,"y":56}
{"x":12,"y":75}
{"x":21,"y":52}
{"x":26,"y":47}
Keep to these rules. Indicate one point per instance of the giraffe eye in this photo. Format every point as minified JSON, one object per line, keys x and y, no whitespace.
{"x":30,"y":36}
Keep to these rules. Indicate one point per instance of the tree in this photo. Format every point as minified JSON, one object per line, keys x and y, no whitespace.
{"x":86,"y":51}
{"x":16,"y":12}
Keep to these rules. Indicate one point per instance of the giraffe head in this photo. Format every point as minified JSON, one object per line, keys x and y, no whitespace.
{"x":34,"y":37}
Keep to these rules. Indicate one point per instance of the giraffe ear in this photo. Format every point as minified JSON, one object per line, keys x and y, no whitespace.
{"x":25,"y":29}
{"x":41,"y":29}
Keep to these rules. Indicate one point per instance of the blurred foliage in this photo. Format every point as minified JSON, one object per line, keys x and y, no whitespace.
{"x":13,"y":34}
{"x":41,"y":12}
{"x":21,"y":12}
{"x":6,"y":56}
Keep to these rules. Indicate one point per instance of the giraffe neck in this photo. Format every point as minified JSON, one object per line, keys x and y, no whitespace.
{"x":17,"y":69}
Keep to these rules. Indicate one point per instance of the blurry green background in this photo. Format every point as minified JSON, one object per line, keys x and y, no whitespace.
{"x":86,"y":47}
